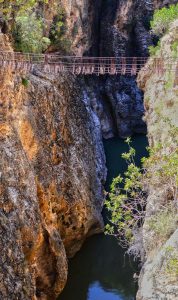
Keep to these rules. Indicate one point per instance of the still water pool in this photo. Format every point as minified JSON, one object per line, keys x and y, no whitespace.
{"x":101,"y":271}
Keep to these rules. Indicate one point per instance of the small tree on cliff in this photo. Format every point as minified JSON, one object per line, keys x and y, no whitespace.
{"x":127,"y":199}
{"x":28,"y":34}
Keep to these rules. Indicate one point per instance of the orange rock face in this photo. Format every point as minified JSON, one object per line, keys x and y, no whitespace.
{"x":51,"y":188}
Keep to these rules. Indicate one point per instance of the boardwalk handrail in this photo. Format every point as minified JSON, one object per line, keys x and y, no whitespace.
{"x":55,"y":63}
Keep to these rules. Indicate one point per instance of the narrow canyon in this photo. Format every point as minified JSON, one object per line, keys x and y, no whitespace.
{"x":53,"y":163}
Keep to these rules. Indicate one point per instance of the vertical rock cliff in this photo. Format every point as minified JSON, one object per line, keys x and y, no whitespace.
{"x":52,"y":176}
{"x":52,"y":166}
{"x":113,"y":28}
{"x":158,"y":279}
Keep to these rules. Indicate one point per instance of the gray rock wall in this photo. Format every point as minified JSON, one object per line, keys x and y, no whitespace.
{"x":158,"y":278}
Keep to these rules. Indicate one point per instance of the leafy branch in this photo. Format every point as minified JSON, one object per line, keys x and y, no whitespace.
{"x":128,"y":196}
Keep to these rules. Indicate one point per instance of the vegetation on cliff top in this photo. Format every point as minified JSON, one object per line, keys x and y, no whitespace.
{"x":160,"y":24}
{"x":28,"y":34}
{"x":12,"y":8}
{"x":27,"y":25}
{"x":162,"y":19}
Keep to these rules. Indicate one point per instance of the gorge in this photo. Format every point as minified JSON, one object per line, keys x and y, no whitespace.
{"x":53,"y":162}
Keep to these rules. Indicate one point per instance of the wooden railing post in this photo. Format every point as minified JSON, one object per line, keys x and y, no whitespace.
{"x":123,"y":65}
{"x":84,"y":65}
{"x":134,"y":66}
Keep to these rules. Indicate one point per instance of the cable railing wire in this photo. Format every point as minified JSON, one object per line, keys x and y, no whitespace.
{"x":55,"y":63}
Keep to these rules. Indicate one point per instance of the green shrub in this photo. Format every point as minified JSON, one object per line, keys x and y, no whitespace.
{"x":163,"y":18}
{"x":171,"y":255}
{"x":58,"y":27}
{"x":127,"y":199}
{"x":12,"y":8}
{"x":154,"y":50}
{"x":174,"y":49}
{"x":58,"y":32}
{"x":25,"y":20}
{"x":28,"y":34}
{"x":169,"y":80}
{"x":172,"y":266}
{"x":25,"y":82}
{"x":164,"y":223}
{"x":126,"y":202}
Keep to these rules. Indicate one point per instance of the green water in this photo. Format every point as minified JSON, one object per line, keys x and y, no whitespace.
{"x":115,"y":147}
{"x":101,"y":271}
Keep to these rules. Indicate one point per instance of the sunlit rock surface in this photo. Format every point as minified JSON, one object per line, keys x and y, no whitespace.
{"x":52,"y":174}
{"x":52,"y":165}
{"x":158,"y":279}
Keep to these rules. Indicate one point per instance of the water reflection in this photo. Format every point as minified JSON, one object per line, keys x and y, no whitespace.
{"x":100,"y":271}
{"x":96,"y":292}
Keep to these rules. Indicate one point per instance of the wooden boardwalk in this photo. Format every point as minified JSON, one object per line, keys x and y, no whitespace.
{"x":54,"y":63}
